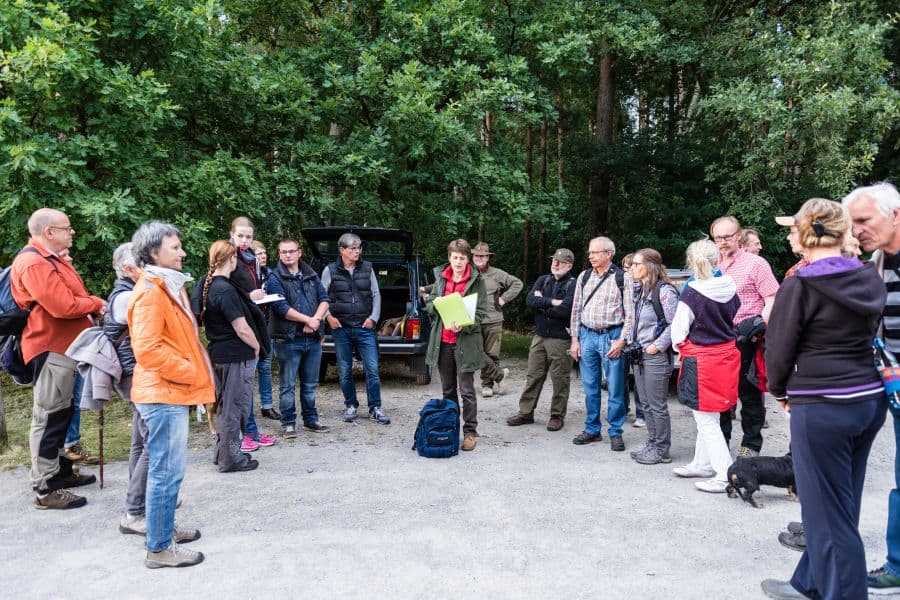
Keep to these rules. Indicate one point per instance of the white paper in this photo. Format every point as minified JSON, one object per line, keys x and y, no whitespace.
{"x":269,"y":298}
{"x":470,"y":302}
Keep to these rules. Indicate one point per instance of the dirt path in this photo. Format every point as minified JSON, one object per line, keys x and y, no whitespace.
{"x":355,"y":514}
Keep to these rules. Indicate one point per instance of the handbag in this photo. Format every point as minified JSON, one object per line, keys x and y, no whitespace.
{"x":887,"y":366}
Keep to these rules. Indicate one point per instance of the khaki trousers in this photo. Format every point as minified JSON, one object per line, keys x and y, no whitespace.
{"x":491,"y":372}
{"x":547,"y":356}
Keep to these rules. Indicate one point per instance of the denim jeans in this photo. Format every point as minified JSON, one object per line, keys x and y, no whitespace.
{"x":264,"y":369}
{"x":893,"y":523}
{"x":593,"y":366}
{"x":167,"y":434}
{"x":73,"y":434}
{"x":345,"y":338}
{"x":301,"y":355}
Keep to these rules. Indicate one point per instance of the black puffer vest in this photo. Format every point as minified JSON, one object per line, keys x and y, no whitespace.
{"x":303,"y":283}
{"x":351,"y":307}
{"x":118,"y":332}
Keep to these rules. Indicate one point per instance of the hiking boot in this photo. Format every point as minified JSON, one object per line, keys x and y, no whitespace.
{"x":248,"y":445}
{"x":780,"y":590}
{"x":250,"y":465}
{"x":468,"y":442}
{"x":882,"y":582}
{"x":270,"y":413}
{"x":555,"y":424}
{"x":377,"y":415}
{"x":350,"y":414}
{"x":650,"y":456}
{"x":639,"y":422}
{"x":794,"y":541}
{"x":173,"y":556}
{"x":61,"y":499}
{"x":617,"y":444}
{"x":77,"y":453}
{"x":264,"y":440}
{"x":713,"y":486}
{"x":517,"y":419}
{"x":290,"y":432}
{"x":502,"y":385}
{"x":487,"y":392}
{"x":586,"y":438}
{"x":137,"y":525}
{"x":745,"y":451}
{"x":316,"y":427}
{"x":77,"y":480}
{"x":642,"y":450}
{"x":690,"y":470}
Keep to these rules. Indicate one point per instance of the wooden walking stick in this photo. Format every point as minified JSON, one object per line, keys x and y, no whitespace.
{"x":100,"y":434}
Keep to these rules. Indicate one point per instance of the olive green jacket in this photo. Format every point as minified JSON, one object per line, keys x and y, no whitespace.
{"x":499,"y":284}
{"x":468,"y":340}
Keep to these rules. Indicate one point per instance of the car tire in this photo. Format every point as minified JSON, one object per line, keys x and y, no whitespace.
{"x":424,"y":378}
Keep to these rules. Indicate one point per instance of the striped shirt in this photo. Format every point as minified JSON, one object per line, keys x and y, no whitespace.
{"x":607,"y":307}
{"x":891,"y":323}
{"x":754,"y":279}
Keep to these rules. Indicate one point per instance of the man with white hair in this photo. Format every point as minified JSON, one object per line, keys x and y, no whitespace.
{"x":61,"y":308}
{"x":875,"y":213}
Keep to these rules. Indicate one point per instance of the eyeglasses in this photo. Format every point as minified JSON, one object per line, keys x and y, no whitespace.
{"x":725,"y":238}
{"x":352,"y":248}
{"x":590,"y":252}
{"x":295,"y":251}
{"x":66,"y":228}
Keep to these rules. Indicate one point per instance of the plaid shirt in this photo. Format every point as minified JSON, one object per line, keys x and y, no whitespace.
{"x":608,"y":307}
{"x":754,"y":280}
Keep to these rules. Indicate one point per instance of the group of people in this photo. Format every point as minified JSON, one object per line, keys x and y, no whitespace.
{"x":737,"y":331}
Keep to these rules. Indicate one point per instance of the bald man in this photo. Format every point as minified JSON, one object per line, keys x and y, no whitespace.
{"x":60,"y":309}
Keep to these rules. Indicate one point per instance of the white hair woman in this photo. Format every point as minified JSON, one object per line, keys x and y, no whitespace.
{"x":703,"y":333}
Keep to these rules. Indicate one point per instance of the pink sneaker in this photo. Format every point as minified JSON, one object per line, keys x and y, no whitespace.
{"x":265,"y":440}
{"x":248,"y":445}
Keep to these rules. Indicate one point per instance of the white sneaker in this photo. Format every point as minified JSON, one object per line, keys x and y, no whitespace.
{"x":690,"y":470}
{"x":713,"y":486}
{"x":502,"y":384}
{"x":487,"y":392}
{"x":639,"y":422}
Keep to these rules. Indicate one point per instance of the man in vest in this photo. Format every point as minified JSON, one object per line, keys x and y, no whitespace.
{"x":62,"y":308}
{"x":297,"y":331}
{"x":601,"y":325}
{"x":502,"y":288}
{"x":875,"y":212}
{"x":551,"y":298}
{"x":354,"y":312}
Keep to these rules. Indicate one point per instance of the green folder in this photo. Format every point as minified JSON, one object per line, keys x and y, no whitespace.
{"x":455,"y":308}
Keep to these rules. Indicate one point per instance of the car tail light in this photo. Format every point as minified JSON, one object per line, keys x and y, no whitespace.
{"x":413,"y":329}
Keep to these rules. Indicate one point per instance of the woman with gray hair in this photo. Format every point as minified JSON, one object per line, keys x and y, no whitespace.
{"x":703,"y":333}
{"x":172,"y":372}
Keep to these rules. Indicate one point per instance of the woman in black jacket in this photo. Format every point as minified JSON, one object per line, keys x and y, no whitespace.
{"x":820,"y":366}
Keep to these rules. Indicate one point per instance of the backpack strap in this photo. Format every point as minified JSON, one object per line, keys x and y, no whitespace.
{"x":582,"y":279}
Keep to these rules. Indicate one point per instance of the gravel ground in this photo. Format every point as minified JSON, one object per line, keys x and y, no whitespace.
{"x":355,"y":514}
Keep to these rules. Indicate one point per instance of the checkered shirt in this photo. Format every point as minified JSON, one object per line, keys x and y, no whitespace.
{"x":754,"y":280}
{"x":607,"y":307}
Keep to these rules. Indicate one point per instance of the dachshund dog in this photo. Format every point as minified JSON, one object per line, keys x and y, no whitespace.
{"x":747,"y":473}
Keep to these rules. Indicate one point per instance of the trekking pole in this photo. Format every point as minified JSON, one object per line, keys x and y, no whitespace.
{"x":100,"y":434}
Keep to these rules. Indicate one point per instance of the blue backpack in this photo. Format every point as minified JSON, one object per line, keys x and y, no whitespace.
{"x":437,"y":434}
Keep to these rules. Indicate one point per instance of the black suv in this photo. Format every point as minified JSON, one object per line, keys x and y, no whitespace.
{"x":400,"y":273}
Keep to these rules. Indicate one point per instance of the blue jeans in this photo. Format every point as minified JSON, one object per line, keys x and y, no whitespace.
{"x":345,"y":338}
{"x":264,"y":368}
{"x":893,"y":523}
{"x":73,"y":434}
{"x":593,"y":366}
{"x":167,"y":435}
{"x":301,"y":355}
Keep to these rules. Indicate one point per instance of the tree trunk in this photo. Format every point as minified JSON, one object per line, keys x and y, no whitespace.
{"x":529,"y":171}
{"x":598,"y":210}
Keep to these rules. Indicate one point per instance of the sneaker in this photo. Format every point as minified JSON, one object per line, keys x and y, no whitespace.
{"x":487,"y":392}
{"x":883,"y":582}
{"x":780,"y":590}
{"x":316,"y":427}
{"x":650,"y":457}
{"x":137,"y":525}
{"x":377,"y":415}
{"x":290,"y":432}
{"x":745,"y":451}
{"x":248,"y":445}
{"x":794,"y":541}
{"x":468,"y":442}
{"x":585,"y":438}
{"x":173,"y":556}
{"x":713,"y":486}
{"x":517,"y":419}
{"x":645,"y":448}
{"x":270,"y":413}
{"x":502,"y":385}
{"x":690,"y":470}
{"x":350,"y":414}
{"x":61,"y":499}
{"x":617,"y":444}
{"x":795,"y":527}
{"x":264,"y":440}
{"x":77,"y":453}
{"x":639,"y":422}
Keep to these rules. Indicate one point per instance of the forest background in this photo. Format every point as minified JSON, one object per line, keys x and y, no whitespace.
{"x":527,"y":124}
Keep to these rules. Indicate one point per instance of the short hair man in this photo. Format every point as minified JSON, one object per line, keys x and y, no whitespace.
{"x":62,"y":308}
{"x":551,"y":297}
{"x":875,"y":213}
{"x":601,"y":324}
{"x":297,"y":331}
{"x":353,"y":314}
{"x":756,"y":289}
{"x":502,"y":288}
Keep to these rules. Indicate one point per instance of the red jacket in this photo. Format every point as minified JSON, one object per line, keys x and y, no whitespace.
{"x":708,"y":380}
{"x":63,"y":303}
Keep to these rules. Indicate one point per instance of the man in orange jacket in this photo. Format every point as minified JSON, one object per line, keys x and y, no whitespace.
{"x":61,"y":309}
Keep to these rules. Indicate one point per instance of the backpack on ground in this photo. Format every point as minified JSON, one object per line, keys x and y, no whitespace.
{"x":437,"y":434}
